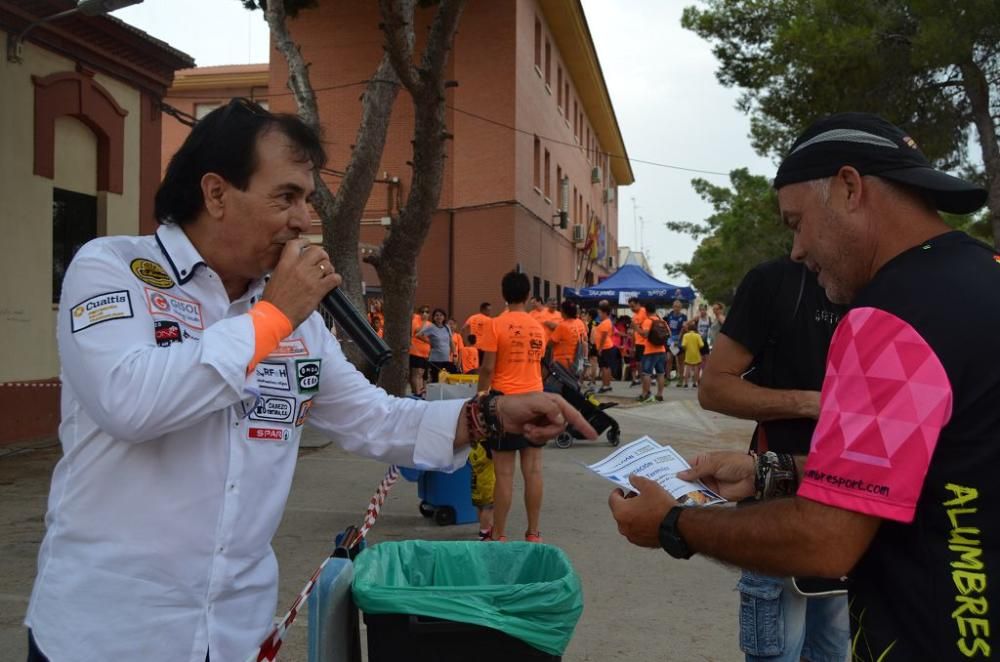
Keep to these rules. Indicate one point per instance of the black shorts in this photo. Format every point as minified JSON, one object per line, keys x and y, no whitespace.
{"x":511,"y":442}
{"x":606,"y":358}
{"x":639,"y":351}
{"x":592,"y":351}
{"x":435,"y":367}
{"x":419,"y":362}
{"x":704,"y":350}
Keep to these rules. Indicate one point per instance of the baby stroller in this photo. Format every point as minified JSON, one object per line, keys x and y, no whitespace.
{"x":562,"y":381}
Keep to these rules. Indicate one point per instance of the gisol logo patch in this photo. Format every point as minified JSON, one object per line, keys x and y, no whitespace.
{"x":182,"y":310}
{"x":307,"y":375}
{"x":151,"y":273}
{"x":101,"y":308}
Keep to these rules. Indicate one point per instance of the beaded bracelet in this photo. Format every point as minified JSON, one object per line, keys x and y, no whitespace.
{"x":774,"y":475}
{"x":484,"y":419}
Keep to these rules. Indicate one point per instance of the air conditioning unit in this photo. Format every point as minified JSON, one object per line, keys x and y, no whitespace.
{"x":579,"y":233}
{"x":609,"y":195}
{"x":595,"y":175}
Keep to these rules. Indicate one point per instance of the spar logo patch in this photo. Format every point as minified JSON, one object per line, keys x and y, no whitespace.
{"x":273,"y":408}
{"x":182,"y":310}
{"x":268,"y":434}
{"x":101,"y":308}
{"x":167,"y":332}
{"x":307,"y":375}
{"x":151,"y":273}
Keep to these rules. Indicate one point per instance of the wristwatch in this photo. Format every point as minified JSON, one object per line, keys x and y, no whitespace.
{"x":670,"y":538}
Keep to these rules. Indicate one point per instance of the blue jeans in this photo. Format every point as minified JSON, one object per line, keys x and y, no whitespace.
{"x":779,"y":625}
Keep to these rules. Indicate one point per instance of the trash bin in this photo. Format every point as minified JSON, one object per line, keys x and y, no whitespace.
{"x":446,"y":601}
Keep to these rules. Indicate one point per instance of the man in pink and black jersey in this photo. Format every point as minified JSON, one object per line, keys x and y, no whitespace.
{"x":899,"y":489}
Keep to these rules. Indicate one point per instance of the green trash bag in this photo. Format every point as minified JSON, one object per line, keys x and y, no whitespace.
{"x":527,"y":590}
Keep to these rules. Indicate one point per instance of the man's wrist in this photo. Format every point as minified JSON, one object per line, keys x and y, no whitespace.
{"x":671,"y":540}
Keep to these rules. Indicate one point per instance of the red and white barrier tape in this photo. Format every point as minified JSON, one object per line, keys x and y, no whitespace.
{"x":268,"y":651}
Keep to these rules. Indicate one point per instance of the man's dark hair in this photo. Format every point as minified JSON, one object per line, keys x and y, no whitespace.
{"x":484,"y":305}
{"x":650,"y":307}
{"x":632,"y":300}
{"x":225,"y":142}
{"x":568,"y":309}
{"x":515,"y":287}
{"x":604,"y":307}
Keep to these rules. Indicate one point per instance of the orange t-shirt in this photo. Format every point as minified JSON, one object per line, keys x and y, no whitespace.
{"x":565,"y":339}
{"x":470,"y":359}
{"x":456,"y":339}
{"x":603,"y":334}
{"x":418,"y":346}
{"x":477,"y":323}
{"x":639,"y":319}
{"x":519,"y":343}
{"x":650,"y":347}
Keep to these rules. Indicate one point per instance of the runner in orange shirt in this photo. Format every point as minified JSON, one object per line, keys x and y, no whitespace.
{"x":512,"y":364}
{"x":457,"y":344}
{"x":420,"y":349}
{"x":569,"y":341}
{"x":470,"y":356}
{"x":476,"y":324}
{"x":638,"y":317}
{"x":654,"y":361}
{"x":605,"y":346}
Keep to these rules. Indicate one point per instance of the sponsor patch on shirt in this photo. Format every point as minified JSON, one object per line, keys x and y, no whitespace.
{"x":307,"y":375}
{"x":290,"y":347}
{"x":304,"y":408}
{"x":182,"y":310}
{"x":273,"y":408}
{"x":167,"y":332}
{"x":101,"y":308}
{"x":268,"y":434}
{"x":151,"y":273}
{"x":272,"y":375}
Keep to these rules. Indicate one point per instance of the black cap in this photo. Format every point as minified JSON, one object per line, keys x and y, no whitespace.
{"x":873,"y":146}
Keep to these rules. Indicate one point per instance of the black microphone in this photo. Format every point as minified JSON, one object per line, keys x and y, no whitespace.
{"x":356,"y":327}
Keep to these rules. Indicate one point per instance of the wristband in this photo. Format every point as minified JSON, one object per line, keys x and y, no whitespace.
{"x":270,"y":325}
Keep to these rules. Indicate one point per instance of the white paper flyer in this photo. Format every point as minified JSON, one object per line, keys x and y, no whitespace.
{"x":647,"y":458}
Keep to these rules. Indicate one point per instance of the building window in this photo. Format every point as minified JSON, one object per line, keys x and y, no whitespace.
{"x":561,"y":204}
{"x":559,"y":88}
{"x":576,"y":208}
{"x":548,"y":176}
{"x":548,"y":65}
{"x":537,"y":167}
{"x":538,"y":46}
{"x":576,"y":120}
{"x":536,"y":286}
{"x":559,"y":294}
{"x":74,"y":223}
{"x":546,"y":290}
{"x":202,"y":109}
{"x":566,"y":97}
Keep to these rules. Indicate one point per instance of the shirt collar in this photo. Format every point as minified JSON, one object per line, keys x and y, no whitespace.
{"x":181,"y":254}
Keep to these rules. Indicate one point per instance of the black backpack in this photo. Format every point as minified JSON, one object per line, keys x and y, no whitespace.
{"x":659,"y":333}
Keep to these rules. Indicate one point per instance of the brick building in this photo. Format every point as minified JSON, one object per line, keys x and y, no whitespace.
{"x":80,"y":126}
{"x":530,"y":110}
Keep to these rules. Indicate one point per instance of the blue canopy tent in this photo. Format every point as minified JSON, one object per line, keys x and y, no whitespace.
{"x":631,"y":281}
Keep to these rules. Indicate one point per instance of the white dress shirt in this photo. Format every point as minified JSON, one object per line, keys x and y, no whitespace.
{"x":176,"y":464}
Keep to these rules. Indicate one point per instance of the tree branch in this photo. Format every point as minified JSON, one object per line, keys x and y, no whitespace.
{"x":397,"y":24}
{"x":298,"y":70}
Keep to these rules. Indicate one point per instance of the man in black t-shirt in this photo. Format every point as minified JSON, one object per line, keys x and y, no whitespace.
{"x":768,"y":366}
{"x":899,"y":489}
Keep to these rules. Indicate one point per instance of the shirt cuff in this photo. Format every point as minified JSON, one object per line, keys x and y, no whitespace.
{"x":435,"y":448}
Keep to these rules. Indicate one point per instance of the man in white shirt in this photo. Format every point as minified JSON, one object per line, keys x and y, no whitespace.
{"x":188,"y":374}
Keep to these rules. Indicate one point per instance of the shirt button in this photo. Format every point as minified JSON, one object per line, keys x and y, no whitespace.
{"x":221,"y":549}
{"x":232,"y":486}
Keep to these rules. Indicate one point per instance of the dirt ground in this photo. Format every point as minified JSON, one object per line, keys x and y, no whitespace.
{"x":640,"y":605}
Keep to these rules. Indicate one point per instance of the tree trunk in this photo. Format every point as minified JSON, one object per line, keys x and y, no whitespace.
{"x":396,"y":263}
{"x":978,"y":91}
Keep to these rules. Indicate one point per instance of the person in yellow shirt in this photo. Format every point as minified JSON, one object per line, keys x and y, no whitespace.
{"x":691,"y":344}
{"x":512,"y":363}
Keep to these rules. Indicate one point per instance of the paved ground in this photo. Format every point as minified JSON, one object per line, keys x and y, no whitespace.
{"x":640,"y":605}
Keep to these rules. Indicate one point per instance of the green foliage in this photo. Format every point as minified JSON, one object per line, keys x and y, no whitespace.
{"x":744,"y":230}
{"x":292,"y":7}
{"x":904,"y":59}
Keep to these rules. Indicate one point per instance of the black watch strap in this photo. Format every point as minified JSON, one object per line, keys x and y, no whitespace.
{"x":670,"y":537}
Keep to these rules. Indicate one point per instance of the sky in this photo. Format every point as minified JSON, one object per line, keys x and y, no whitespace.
{"x":661,"y":80}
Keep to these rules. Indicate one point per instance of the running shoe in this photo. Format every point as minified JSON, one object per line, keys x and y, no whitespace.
{"x":659,"y":398}
{"x":648,"y":398}
{"x":533,"y":537}
{"x":604,"y":389}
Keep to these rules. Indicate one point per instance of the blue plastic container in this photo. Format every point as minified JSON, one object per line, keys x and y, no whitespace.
{"x":447,"y":498}
{"x":333,"y":618}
